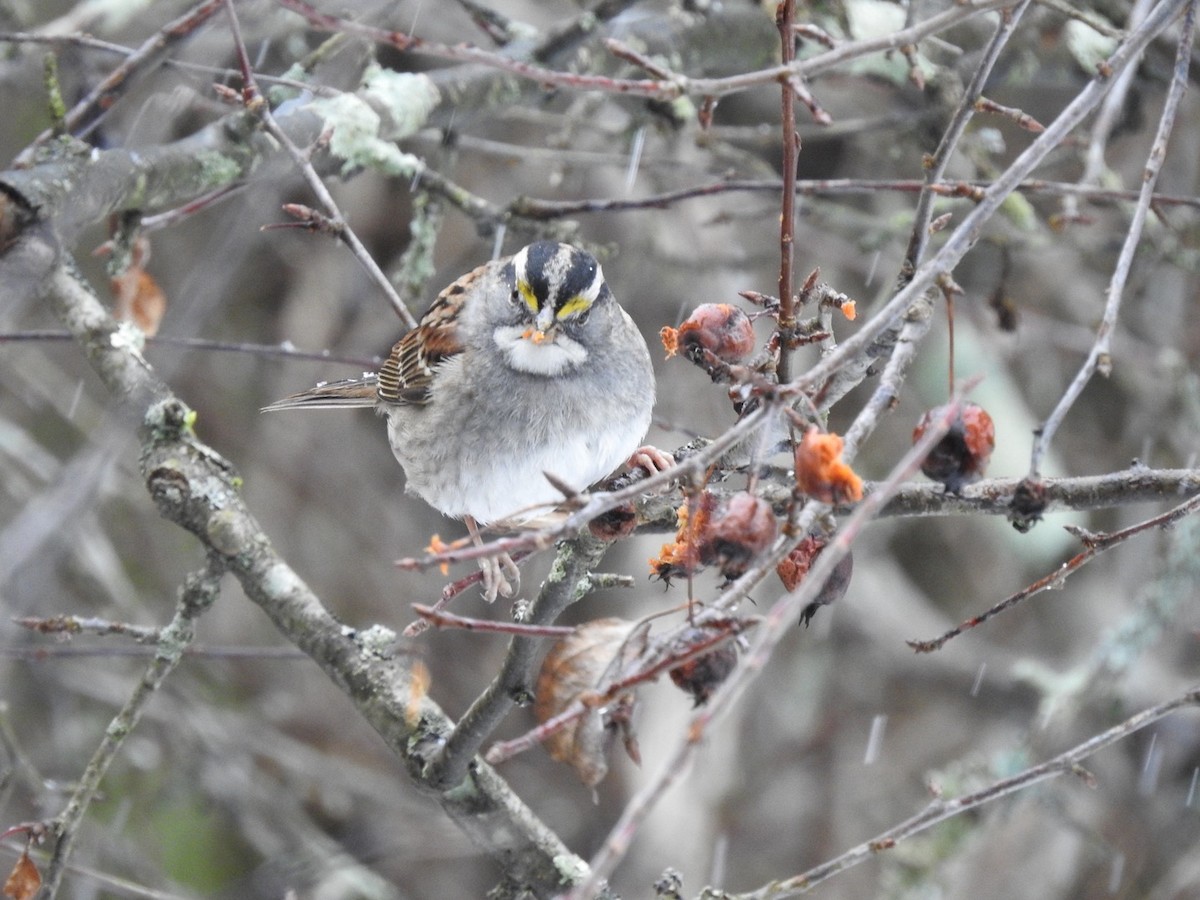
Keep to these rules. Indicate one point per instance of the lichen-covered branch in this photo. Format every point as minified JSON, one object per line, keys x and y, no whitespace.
{"x":198,"y":490}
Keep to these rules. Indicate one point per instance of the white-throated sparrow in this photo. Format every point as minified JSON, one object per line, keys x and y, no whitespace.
{"x":525,"y":366}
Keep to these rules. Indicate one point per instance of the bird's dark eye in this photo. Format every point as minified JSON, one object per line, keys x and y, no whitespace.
{"x":515,"y":298}
{"x":582,"y":318}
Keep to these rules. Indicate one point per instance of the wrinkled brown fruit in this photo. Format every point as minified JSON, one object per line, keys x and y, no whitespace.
{"x":793,"y":569}
{"x":741,"y":529}
{"x":723,"y":330}
{"x":703,"y":674}
{"x":961,"y":456}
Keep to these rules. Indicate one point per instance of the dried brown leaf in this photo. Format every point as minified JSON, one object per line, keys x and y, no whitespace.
{"x":24,"y":879}
{"x":575,"y":670}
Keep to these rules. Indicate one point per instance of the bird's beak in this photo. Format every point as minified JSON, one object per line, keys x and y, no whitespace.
{"x":539,"y":332}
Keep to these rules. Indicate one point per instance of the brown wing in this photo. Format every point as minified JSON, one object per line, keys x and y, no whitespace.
{"x":407,"y":376}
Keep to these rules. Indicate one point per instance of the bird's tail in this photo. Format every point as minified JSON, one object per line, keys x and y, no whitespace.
{"x":348,"y":393}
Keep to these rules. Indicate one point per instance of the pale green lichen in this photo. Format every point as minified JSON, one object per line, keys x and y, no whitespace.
{"x":217,"y":169}
{"x":571,"y":869}
{"x":403,"y":100}
{"x":354,"y":137}
{"x":377,"y":642}
{"x":128,"y":337}
{"x":1089,"y":47}
{"x":1018,"y":210}
{"x":281,"y":93}
{"x":281,"y":581}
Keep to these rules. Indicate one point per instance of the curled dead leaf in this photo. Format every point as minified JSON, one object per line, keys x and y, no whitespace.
{"x":576,"y":670}
{"x":137,"y":298}
{"x":24,"y":879}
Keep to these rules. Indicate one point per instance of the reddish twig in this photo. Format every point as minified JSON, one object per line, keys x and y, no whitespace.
{"x":645,"y":670}
{"x":541,"y":210}
{"x":1023,"y":119}
{"x":1093,"y":546}
{"x":439,"y":619}
{"x":785,"y":20}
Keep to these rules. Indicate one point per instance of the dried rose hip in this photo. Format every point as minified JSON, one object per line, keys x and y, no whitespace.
{"x":702,"y":675}
{"x":961,"y":457}
{"x":794,"y":567}
{"x":716,"y":337}
{"x":738,"y":532}
{"x":723,"y":330}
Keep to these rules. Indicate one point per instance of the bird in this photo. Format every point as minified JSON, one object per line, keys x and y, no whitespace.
{"x":524,"y":381}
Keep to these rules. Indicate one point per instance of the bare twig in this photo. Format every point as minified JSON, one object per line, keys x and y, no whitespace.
{"x":1099,"y":358}
{"x":256,"y":104}
{"x":1067,"y":763}
{"x":567,"y":583}
{"x":196,"y":596}
{"x":164,"y":340}
{"x":442,"y":619}
{"x":915,"y":327}
{"x":1107,"y":118}
{"x":1093,"y":546}
{"x":539,"y":209}
{"x":663,"y":655}
{"x":935,"y":165}
{"x":785,"y":20}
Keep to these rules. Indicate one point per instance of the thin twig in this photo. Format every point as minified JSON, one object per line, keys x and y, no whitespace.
{"x":1099,"y":358}
{"x":264,"y":350}
{"x":1093,"y":546}
{"x":1067,"y":763}
{"x":1111,"y":111}
{"x":663,"y":655}
{"x":935,"y":166}
{"x":152,"y":50}
{"x":256,"y":104}
{"x":441,"y":619}
{"x":885,"y":395}
{"x":540,"y":209}
{"x":567,"y":583}
{"x":196,"y":596}
{"x":785,"y":20}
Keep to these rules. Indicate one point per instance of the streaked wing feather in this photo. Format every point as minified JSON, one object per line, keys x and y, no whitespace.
{"x":349,"y":393}
{"x":407,"y":375}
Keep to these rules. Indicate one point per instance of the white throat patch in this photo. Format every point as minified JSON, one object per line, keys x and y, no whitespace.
{"x":548,"y":358}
